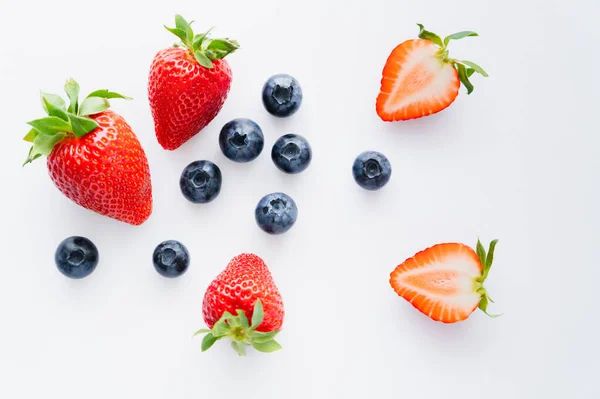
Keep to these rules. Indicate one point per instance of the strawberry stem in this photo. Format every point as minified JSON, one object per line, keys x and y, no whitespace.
{"x":464,"y":68}
{"x":204,"y":49}
{"x":486,"y":259}
{"x":241,"y":332}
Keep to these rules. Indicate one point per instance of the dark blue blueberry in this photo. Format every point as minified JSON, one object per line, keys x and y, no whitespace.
{"x":282,"y":95}
{"x":276,"y":213}
{"x":291,"y":153}
{"x":200,"y":182}
{"x":241,"y":140}
{"x":371,"y":170}
{"x":171,"y":258}
{"x":76,"y":257}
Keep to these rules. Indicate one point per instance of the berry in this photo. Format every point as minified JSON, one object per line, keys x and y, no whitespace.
{"x":241,"y":140}
{"x":276,"y":213}
{"x":171,"y":258}
{"x":188,"y":84}
{"x":371,"y":170}
{"x":200,"y":182}
{"x":420,"y":79}
{"x":291,"y":153}
{"x":94,"y":158}
{"x":445,"y":282}
{"x":243,"y":304}
{"x":76,"y":257}
{"x":282,"y":95}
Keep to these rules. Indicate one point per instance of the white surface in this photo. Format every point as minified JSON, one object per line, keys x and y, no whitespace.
{"x":518,"y":160}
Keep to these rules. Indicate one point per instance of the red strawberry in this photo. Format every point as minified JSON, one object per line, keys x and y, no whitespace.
{"x":445,"y":282}
{"x":244,"y":291}
{"x":420,"y":79}
{"x":93,"y":156}
{"x":188,"y":84}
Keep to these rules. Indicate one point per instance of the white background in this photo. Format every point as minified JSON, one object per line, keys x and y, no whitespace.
{"x":517,"y":160}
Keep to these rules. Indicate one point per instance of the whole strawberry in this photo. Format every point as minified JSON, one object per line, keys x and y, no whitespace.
{"x":93,"y":156}
{"x":244,"y":291}
{"x":188,"y":84}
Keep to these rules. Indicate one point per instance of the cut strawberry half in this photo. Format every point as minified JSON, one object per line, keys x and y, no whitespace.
{"x":445,"y":282}
{"x":420,"y":79}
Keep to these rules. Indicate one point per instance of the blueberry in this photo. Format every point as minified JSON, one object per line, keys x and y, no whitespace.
{"x":241,"y":140}
{"x":171,"y":258}
{"x":200,"y":182}
{"x":291,"y":153}
{"x":276,"y":213}
{"x":76,"y":257}
{"x":371,"y":170}
{"x":282,"y":95}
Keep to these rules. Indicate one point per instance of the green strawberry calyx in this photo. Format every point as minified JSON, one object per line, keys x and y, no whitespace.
{"x":486,"y":260}
{"x":241,"y":332}
{"x":204,"y":49}
{"x":464,"y":68}
{"x":63,"y":121}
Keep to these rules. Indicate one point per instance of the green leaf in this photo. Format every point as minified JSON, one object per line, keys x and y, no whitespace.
{"x":490,"y":254}
{"x":51,"y":125}
{"x":464,"y":78}
{"x":203,"y":59}
{"x":55,"y":111}
{"x":227,"y":315}
{"x":239,"y":347}
{"x":475,"y":67}
{"x":189,"y":36}
{"x":223,"y":44}
{"x":72,"y":90}
{"x":480,"y":253}
{"x":458,"y":35}
{"x":199,"y":39}
{"x":93,"y":105}
{"x":43,"y":143}
{"x":490,"y":259}
{"x":29,"y":137}
{"x":177,"y":32}
{"x":257,"y":314}
{"x":201,"y":331}
{"x":243,"y":318}
{"x":32,"y":156}
{"x":107,"y":94}
{"x":221,"y":328}
{"x":470,"y":71}
{"x":208,"y":341}
{"x":82,"y":125}
{"x":424,"y":34}
{"x":267,"y":347}
{"x":483,"y":304}
{"x":232,"y":321}
{"x":197,"y":42}
{"x":259,"y":337}
{"x":220,"y":48}
{"x":181,"y":23}
{"x":56,"y":101}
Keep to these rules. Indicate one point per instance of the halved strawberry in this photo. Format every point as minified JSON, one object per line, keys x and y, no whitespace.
{"x":445,"y":282}
{"x":420,"y":79}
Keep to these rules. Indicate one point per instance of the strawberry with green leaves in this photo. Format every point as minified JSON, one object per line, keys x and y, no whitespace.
{"x":94,"y":158}
{"x":188,"y":84}
{"x":243,"y":304}
{"x":445,"y":281}
{"x":420,"y":78}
